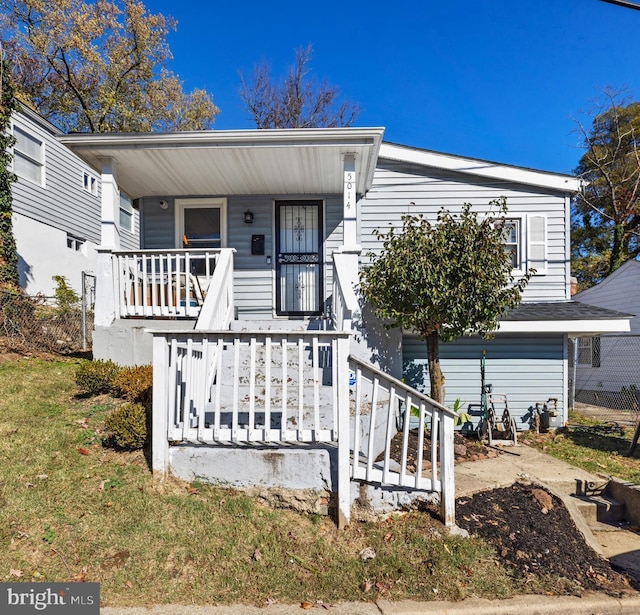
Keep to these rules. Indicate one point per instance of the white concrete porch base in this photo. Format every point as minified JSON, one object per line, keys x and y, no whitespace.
{"x":296,"y":477}
{"x":126,"y":343}
{"x":288,"y":468}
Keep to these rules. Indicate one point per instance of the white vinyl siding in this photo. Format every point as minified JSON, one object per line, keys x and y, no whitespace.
{"x":28,"y":156}
{"x":400,"y":188}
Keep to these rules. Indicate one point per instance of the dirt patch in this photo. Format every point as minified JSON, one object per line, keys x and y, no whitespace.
{"x":465,"y":449}
{"x":535,"y":537}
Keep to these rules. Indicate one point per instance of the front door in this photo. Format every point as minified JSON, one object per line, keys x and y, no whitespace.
{"x":299,"y":258}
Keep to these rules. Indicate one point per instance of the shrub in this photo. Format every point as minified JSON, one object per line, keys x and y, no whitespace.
{"x":134,"y":384}
{"x":127,"y":426}
{"x":97,"y":376}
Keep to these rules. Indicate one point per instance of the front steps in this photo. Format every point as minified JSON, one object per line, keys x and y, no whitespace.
{"x":611,"y":521}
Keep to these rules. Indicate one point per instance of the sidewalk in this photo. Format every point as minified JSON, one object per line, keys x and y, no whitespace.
{"x":592,"y":604}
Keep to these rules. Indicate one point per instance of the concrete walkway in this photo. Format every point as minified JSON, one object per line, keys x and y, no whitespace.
{"x":520,"y":463}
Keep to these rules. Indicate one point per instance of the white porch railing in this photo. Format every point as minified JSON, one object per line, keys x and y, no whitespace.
{"x":162,"y":283}
{"x":213,"y":387}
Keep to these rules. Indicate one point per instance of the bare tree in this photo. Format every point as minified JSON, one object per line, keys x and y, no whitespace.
{"x":298,"y":102}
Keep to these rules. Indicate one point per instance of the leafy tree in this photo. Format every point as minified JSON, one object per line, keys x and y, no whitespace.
{"x":606,"y":214}
{"x":444,"y":279}
{"x":8,"y":251}
{"x":298,"y":102}
{"x":99,"y":66}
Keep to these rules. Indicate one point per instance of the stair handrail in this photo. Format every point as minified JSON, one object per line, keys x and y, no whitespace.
{"x":218,"y":308}
{"x":345,"y":305}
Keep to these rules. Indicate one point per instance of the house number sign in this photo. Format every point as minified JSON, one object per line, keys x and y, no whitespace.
{"x":349,"y":190}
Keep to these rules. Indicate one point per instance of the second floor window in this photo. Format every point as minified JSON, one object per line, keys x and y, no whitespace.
{"x":512,"y":242}
{"x":28,"y":156}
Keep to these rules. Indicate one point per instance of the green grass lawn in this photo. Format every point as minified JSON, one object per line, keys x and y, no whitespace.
{"x":592,"y":446}
{"x":71,"y":509}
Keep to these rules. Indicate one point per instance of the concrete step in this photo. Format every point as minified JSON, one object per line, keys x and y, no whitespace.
{"x":601,"y":509}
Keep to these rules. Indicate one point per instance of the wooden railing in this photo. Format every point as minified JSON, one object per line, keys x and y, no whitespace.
{"x":162,"y":283}
{"x":218,"y":309}
{"x":345,"y":305}
{"x":213,"y":387}
{"x":381,"y":407}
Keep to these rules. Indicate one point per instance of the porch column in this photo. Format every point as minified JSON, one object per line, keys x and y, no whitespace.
{"x":350,"y":216}
{"x":110,"y":214}
{"x":105,"y":308}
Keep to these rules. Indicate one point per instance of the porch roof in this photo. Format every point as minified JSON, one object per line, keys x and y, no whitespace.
{"x":225,"y":162}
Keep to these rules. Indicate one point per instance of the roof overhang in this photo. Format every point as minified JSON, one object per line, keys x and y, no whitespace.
{"x":228,"y":162}
{"x":573,"y":328}
{"x":480,"y":168}
{"x":570,"y":317}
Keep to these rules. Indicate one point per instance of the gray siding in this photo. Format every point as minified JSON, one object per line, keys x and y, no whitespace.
{"x":397,"y":185}
{"x":528,"y":369}
{"x":62,"y":202}
{"x":254,"y":274}
{"x":620,"y":291}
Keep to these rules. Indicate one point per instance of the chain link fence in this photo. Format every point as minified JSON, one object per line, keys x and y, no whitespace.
{"x":38,"y":323}
{"x":604,"y":377}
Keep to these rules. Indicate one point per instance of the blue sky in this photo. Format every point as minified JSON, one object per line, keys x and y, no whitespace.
{"x":502,"y":80}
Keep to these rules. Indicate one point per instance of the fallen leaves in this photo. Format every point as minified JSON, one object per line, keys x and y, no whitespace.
{"x":83,"y":451}
{"x":15,"y":573}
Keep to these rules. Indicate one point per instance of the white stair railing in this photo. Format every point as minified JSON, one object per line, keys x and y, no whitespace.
{"x":381,"y":407}
{"x":217,"y":311}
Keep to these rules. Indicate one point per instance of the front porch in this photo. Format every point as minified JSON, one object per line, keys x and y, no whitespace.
{"x":227,"y":395}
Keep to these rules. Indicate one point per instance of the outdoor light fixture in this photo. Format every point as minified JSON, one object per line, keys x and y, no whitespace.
{"x":164,"y":205}
{"x":248,"y":217}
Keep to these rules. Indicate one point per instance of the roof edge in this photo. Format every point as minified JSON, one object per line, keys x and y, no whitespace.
{"x":480,"y":168}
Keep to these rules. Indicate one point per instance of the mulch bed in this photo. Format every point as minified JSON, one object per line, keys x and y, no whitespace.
{"x":529,"y":528}
{"x":534,"y":535}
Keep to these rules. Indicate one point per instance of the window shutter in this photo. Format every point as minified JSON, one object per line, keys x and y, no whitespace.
{"x":537,"y":243}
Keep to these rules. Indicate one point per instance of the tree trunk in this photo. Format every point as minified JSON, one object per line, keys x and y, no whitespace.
{"x":436,"y":377}
{"x":617,"y":249}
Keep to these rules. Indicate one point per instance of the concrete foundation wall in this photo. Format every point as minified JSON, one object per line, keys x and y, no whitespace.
{"x":128,"y":342}
{"x":302,"y":478}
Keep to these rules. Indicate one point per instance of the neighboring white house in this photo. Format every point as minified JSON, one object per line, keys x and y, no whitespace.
{"x":608,"y":366}
{"x":251,"y":245}
{"x":56,"y":207}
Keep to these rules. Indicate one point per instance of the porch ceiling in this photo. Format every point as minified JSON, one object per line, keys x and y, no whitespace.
{"x":294,"y":161}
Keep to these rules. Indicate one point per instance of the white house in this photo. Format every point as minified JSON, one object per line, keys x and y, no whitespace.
{"x":251,"y":245}
{"x":607,"y":367}
{"x":57,"y":207}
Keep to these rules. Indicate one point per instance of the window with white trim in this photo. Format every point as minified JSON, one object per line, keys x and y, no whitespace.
{"x":126,"y":213}
{"x":512,"y":242}
{"x":28,"y":156}
{"x":90,"y":183}
{"x":589,"y":351}
{"x":74,"y":243}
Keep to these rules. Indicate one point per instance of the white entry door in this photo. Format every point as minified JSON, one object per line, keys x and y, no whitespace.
{"x":299,"y":258}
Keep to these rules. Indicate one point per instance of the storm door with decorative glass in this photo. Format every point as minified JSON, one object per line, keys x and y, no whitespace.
{"x":299,"y":257}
